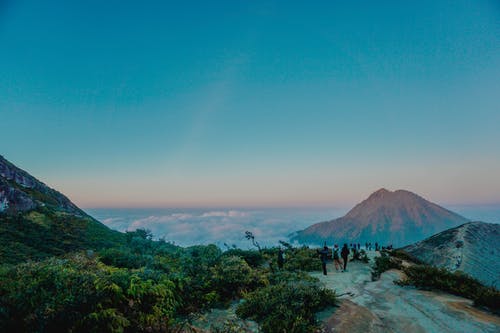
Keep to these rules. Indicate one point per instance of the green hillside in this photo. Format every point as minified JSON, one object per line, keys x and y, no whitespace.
{"x":37,"y":221}
{"x":44,"y":232}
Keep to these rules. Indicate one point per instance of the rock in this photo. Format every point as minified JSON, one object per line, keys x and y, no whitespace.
{"x":350,"y":317}
{"x":20,"y":192}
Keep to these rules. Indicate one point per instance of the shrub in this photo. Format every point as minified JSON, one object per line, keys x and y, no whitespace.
{"x":303,"y":259}
{"x":401,"y":254}
{"x":79,"y":294}
{"x":253,"y":258}
{"x":457,"y":283}
{"x":382,"y":264}
{"x":286,"y":306}
{"x":123,"y":258}
{"x":232,"y":275}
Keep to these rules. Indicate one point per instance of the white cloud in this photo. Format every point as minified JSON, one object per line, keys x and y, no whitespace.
{"x":191,"y":227}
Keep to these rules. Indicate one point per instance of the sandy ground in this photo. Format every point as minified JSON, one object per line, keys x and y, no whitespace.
{"x":383,"y":306}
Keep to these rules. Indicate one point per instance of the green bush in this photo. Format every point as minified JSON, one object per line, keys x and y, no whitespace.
{"x":382,"y":264}
{"x":79,"y":294}
{"x":253,"y":258}
{"x":457,"y":283}
{"x":401,"y":254}
{"x":286,"y":306}
{"x":302,"y":259}
{"x":232,"y":275}
{"x":122,"y":258}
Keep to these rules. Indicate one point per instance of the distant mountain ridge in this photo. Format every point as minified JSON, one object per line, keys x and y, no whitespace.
{"x":37,"y":221}
{"x":387,"y":217}
{"x":472,"y":248}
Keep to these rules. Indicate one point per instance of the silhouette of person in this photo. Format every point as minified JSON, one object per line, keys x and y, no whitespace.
{"x":324,"y":257}
{"x":281,"y":259}
{"x":344,"y":253}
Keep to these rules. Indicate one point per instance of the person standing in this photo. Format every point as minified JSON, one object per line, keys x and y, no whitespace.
{"x":345,"y":254}
{"x":281,"y":258}
{"x":323,"y":254}
{"x":336,"y":257}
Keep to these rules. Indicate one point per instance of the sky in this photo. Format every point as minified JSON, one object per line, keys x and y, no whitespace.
{"x":252,"y":103}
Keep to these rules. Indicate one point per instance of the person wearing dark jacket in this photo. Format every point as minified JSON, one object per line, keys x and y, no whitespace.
{"x":323,"y":255}
{"x":344,"y":253}
{"x":281,"y":258}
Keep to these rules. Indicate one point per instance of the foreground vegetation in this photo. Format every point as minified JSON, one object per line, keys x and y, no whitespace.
{"x":154,"y":286}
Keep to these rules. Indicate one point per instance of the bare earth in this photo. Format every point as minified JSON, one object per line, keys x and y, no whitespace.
{"x":383,"y":306}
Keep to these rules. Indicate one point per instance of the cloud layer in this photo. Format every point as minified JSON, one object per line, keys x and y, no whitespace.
{"x":189,"y":227}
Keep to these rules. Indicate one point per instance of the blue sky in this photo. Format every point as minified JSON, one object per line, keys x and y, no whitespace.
{"x":252,"y":103}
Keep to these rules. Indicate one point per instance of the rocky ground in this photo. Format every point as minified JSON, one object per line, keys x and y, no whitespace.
{"x":383,"y":306}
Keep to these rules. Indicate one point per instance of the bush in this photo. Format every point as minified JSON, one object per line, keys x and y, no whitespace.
{"x":457,"y":283}
{"x":122,"y":258}
{"x":286,"y":306}
{"x":403,"y":255}
{"x":79,"y":294}
{"x":232,"y":275}
{"x":382,"y":264}
{"x":302,"y":259}
{"x":253,"y":258}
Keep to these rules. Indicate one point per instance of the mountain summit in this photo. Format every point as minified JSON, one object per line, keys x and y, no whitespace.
{"x":387,"y":217}
{"x":37,"y":221}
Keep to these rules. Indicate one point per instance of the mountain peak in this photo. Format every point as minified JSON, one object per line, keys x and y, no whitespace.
{"x":390,"y":217}
{"x":379,"y":193}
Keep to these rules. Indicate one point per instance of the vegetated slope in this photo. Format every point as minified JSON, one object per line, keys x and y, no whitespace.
{"x":472,"y":248}
{"x":398,"y":218}
{"x":37,"y":221}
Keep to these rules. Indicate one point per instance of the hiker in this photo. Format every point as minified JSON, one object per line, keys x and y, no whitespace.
{"x":376,"y":246}
{"x":344,"y":253}
{"x":354,"y":251}
{"x":336,"y":257}
{"x":281,"y":259}
{"x":324,"y":257}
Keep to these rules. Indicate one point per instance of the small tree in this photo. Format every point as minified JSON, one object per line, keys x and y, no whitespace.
{"x":249,"y":235}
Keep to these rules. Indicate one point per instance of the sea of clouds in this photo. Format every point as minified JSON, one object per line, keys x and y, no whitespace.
{"x":187,"y":227}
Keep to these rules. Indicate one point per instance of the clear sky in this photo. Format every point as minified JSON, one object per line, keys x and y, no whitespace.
{"x":252,"y":103}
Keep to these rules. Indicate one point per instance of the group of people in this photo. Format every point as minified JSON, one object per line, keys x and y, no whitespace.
{"x":340,"y":256}
{"x":337,"y":254}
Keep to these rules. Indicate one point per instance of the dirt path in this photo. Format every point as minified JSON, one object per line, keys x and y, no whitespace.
{"x":383,"y":306}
